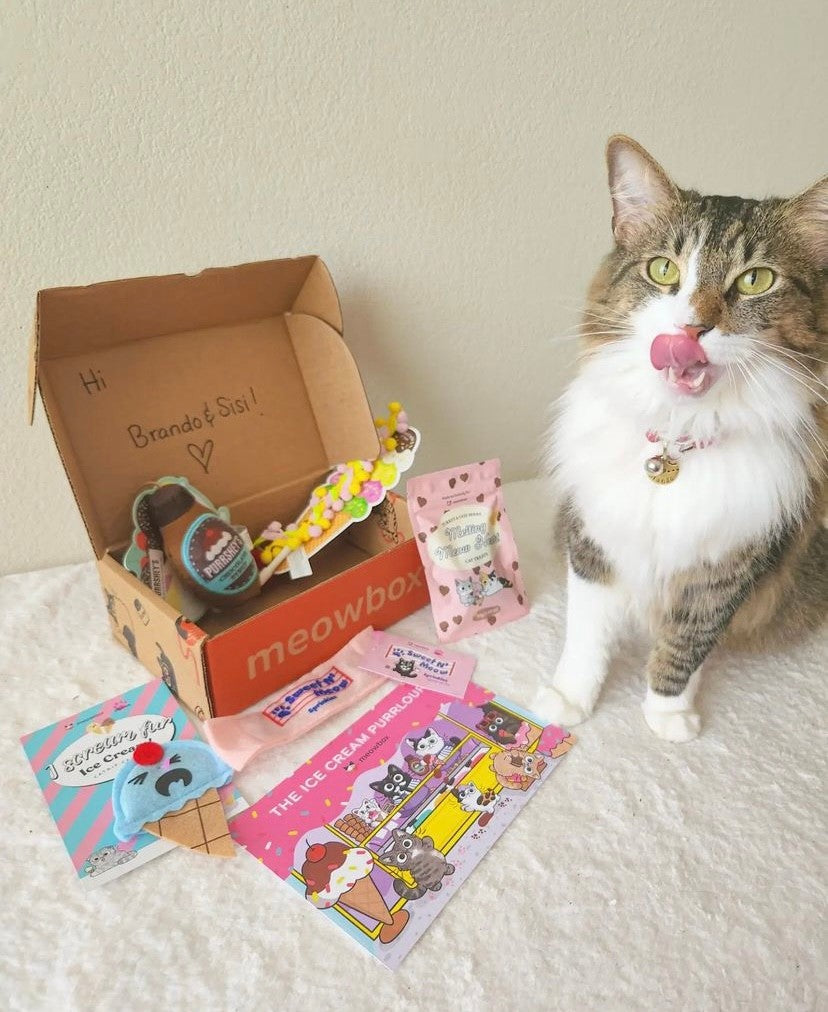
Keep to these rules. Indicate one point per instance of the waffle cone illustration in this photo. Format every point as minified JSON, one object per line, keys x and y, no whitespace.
{"x":337,"y":874}
{"x":366,"y":899}
{"x":200,"y":825}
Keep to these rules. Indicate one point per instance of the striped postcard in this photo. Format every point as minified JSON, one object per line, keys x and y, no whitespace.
{"x":75,"y":761}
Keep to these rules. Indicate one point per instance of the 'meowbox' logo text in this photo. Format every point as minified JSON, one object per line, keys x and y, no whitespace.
{"x":297,"y":643}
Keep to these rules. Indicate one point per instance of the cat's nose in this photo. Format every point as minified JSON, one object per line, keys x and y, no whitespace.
{"x":693,"y":331}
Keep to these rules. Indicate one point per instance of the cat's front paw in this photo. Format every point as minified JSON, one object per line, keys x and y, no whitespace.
{"x":550,"y":704}
{"x":678,"y":726}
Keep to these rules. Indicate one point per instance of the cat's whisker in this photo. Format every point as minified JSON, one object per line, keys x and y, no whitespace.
{"x":784,"y":352}
{"x":582,"y":309}
{"x":793,"y":423}
{"x":793,"y":374}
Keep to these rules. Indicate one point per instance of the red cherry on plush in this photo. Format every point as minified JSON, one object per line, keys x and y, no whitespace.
{"x":148,"y":753}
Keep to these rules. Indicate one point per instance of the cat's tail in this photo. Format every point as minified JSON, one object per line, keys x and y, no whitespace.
{"x":407,"y":893}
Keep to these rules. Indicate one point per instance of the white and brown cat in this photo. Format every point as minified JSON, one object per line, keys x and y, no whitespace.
{"x":690,"y":448}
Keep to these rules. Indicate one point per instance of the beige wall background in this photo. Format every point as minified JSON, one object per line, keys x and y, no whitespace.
{"x":446,"y":159}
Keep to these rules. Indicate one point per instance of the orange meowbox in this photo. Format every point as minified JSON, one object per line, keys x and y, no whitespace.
{"x":238,"y":379}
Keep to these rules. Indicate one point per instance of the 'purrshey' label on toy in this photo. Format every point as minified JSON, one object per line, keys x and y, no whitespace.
{"x":216,"y":556}
{"x":312,"y":696}
{"x":430,"y":667}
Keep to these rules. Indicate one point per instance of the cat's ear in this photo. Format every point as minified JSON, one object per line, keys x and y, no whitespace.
{"x":810,"y":212}
{"x":411,"y":743}
{"x":639,"y":187}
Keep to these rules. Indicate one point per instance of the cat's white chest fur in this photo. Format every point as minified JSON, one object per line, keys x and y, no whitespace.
{"x":725,"y":496}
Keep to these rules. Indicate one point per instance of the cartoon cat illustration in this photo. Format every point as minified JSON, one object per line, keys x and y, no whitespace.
{"x":405,"y":668}
{"x":491,"y":583}
{"x":499,"y":725}
{"x":395,"y":785}
{"x":430,"y":743}
{"x":517,"y":769}
{"x":474,"y":800}
{"x":104,"y":858}
{"x":468,"y":592}
{"x":167,"y":669}
{"x":418,"y":856}
{"x":370,"y":813}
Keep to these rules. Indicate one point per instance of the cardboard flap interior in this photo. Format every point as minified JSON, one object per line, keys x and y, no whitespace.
{"x":237,"y":379}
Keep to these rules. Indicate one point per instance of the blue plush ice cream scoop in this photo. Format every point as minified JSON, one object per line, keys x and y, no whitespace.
{"x":161,"y":779}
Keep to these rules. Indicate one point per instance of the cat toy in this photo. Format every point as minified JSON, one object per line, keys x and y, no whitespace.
{"x":348,"y":495}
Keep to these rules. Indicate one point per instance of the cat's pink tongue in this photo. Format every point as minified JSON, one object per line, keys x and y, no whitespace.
{"x":676,"y":351}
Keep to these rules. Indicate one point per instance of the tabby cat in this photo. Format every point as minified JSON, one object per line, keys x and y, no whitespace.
{"x":417,"y":855}
{"x":690,"y":448}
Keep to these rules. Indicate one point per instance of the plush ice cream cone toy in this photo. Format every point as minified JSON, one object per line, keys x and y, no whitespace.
{"x":170,"y":791}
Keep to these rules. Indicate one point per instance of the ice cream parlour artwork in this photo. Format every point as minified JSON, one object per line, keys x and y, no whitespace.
{"x":379,"y":829}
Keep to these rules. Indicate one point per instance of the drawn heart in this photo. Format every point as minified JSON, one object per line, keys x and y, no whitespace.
{"x":444,"y":591}
{"x":497,"y":482}
{"x":457,"y":619}
{"x":421,"y":501}
{"x":515,"y":565}
{"x":476,"y":570}
{"x":452,"y":482}
{"x":481,"y":497}
{"x":431,"y":530}
{"x":444,"y":626}
{"x":491,"y":619}
{"x":201,"y":454}
{"x":464,"y":477}
{"x":421,"y":537}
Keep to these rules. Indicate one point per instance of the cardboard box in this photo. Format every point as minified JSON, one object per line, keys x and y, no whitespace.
{"x":238,"y":379}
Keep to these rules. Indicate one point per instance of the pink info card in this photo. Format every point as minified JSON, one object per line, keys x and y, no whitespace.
{"x":431,"y":667}
{"x":379,"y":829}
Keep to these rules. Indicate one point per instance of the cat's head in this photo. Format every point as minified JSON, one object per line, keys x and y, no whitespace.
{"x":427,"y":744}
{"x":496,"y":724}
{"x":368,"y":809}
{"x":393,"y":783}
{"x":707,"y":298}
{"x":102,"y":856}
{"x":403,"y":848}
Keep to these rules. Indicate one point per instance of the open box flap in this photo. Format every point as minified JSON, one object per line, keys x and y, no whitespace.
{"x":236,"y":378}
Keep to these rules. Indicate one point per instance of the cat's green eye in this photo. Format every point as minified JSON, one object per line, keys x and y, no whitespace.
{"x":755,"y":281}
{"x":663,"y":271}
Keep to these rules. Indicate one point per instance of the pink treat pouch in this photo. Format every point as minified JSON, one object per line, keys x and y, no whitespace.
{"x":465,"y":541}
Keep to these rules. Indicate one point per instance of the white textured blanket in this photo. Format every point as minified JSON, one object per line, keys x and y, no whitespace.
{"x":643,"y":876}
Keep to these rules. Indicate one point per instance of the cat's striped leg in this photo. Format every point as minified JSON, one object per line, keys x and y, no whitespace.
{"x":693,"y":624}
